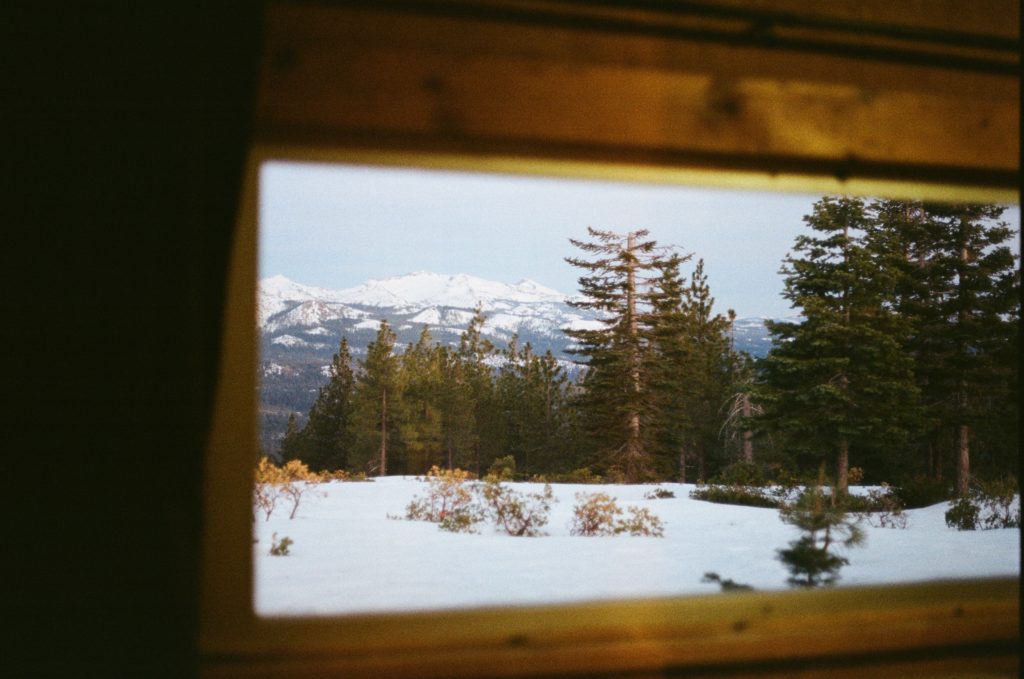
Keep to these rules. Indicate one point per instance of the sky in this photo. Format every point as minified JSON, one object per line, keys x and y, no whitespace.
{"x":337,"y":226}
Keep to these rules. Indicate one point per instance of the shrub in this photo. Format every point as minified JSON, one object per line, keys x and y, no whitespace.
{"x":740,"y":473}
{"x":295,"y":481}
{"x":266,"y":492}
{"x":854,"y":476}
{"x":291,"y":482}
{"x":922,"y":491}
{"x":735,"y":495}
{"x":640,"y":522}
{"x":659,"y":494}
{"x":881,"y":508}
{"x":988,"y":506}
{"x":594,"y":514}
{"x":503,"y":468}
{"x":449,"y":501}
{"x":344,"y":476}
{"x":962,"y":515}
{"x":824,"y":524}
{"x":582,"y":475}
{"x":518,"y":514}
{"x":280,"y":547}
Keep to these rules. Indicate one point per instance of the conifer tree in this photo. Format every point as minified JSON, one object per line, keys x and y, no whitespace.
{"x":960,"y":290}
{"x":530,"y":395}
{"x":377,"y":400}
{"x":712,"y":359}
{"x":475,"y":354}
{"x":326,"y":438}
{"x":616,"y":397}
{"x":421,"y":425}
{"x":841,"y":377}
{"x":295,"y":444}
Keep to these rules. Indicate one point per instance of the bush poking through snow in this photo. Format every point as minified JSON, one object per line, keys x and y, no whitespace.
{"x":502,"y":469}
{"x":883,"y":509}
{"x":642,"y":522}
{"x":988,"y":506}
{"x":266,"y":493}
{"x":741,"y":473}
{"x":449,"y":501}
{"x":518,"y":514}
{"x":280,"y":547}
{"x":295,"y":482}
{"x":595,"y":514}
{"x":735,"y":495}
{"x":659,"y":494}
{"x":273,"y":484}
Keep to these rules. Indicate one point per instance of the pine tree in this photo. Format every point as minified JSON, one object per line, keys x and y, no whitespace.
{"x":713,"y":359}
{"x":671,"y":365}
{"x":295,"y":444}
{"x":960,"y":290}
{"x":615,"y":397}
{"x":530,"y":395}
{"x":420,"y":419}
{"x":840,"y":378}
{"x":377,"y":399}
{"x":326,"y":437}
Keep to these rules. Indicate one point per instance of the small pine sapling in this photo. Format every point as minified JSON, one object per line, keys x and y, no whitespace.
{"x":824,"y":524}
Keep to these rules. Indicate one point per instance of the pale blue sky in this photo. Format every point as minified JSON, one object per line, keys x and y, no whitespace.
{"x":336,"y":226}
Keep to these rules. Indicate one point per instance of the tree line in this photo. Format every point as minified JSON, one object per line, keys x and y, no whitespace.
{"x":903,"y":364}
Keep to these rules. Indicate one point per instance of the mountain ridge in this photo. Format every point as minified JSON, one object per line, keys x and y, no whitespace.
{"x":300,"y":327}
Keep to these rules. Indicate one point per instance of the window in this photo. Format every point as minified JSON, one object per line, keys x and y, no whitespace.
{"x":519,"y":87}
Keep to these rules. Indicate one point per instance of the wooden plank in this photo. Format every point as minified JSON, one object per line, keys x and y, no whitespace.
{"x":922,"y":624}
{"x":346,"y":77}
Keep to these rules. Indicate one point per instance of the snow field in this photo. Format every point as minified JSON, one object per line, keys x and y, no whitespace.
{"x":349,"y":557}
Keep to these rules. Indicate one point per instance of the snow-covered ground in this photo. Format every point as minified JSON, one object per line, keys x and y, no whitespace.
{"x":347,"y":556}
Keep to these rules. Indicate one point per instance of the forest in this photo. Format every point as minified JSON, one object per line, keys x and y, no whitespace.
{"x":902,"y":368}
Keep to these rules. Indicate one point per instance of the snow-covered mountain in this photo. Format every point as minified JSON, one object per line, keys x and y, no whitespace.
{"x":301,"y":326}
{"x":442,"y":303}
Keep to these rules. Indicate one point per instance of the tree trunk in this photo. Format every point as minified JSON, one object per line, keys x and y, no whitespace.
{"x":963,"y":467}
{"x":748,"y":436}
{"x":636,"y":464}
{"x":383,"y":433}
{"x":843,"y":467}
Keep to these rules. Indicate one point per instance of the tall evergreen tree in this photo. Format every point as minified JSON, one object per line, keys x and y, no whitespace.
{"x":616,"y":397}
{"x":377,"y":400}
{"x":840,"y":377}
{"x":326,"y":438}
{"x":420,"y":419}
{"x":530,"y":393}
{"x":960,"y":290}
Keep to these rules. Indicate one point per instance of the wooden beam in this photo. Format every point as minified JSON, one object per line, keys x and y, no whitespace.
{"x":360,"y":78}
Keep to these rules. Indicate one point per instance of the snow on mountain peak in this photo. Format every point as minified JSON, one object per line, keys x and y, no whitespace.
{"x":424,"y":288}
